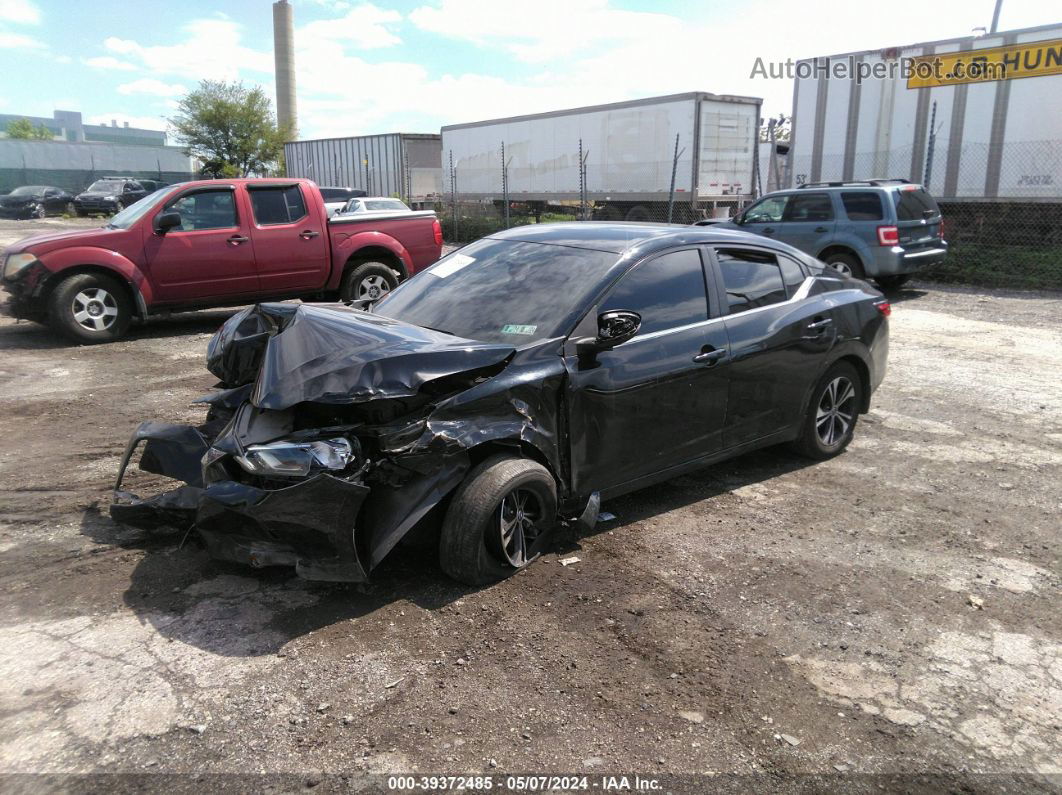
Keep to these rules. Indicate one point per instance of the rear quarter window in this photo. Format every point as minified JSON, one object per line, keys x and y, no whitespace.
{"x":862,"y":205}
{"x":914,"y":204}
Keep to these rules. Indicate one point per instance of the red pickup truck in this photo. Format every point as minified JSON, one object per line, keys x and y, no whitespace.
{"x":212,"y":243}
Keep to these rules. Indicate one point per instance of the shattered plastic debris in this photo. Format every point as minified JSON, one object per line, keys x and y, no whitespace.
{"x":569,"y":561}
{"x":605,"y":516}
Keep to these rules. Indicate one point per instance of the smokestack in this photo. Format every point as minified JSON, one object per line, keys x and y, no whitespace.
{"x":284,"y":55}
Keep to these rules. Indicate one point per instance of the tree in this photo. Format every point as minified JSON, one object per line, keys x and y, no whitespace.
{"x":23,"y":129}
{"x":230,"y":128}
{"x":782,"y":128}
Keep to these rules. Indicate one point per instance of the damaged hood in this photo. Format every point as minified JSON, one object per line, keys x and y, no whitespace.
{"x":295,"y":353}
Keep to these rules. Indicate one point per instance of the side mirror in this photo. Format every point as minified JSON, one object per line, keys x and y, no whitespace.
{"x":166,"y":221}
{"x":613,"y":328}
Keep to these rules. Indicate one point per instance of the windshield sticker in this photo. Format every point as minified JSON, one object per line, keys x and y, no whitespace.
{"x":527,"y":331}
{"x":453,"y":264}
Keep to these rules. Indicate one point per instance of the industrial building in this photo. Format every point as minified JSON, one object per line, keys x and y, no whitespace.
{"x":67,"y":125}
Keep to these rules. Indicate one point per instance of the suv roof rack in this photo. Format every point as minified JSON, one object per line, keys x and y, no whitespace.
{"x":867,"y":182}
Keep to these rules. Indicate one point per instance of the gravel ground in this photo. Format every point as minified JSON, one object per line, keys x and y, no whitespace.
{"x":893,"y":611}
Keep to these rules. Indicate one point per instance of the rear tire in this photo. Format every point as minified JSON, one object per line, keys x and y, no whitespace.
{"x":90,"y":308}
{"x":846,"y":264}
{"x":367,"y":281}
{"x":638,"y":213}
{"x":499,"y":520}
{"x":832,"y":413}
{"x":892,"y":282}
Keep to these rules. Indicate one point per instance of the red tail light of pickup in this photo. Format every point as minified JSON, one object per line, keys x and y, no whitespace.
{"x":436,"y":228}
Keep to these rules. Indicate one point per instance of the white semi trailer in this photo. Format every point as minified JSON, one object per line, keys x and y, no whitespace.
{"x":628,"y":150}
{"x":975,"y":119}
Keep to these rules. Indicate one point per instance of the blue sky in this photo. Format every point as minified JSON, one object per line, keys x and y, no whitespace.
{"x":413,"y":65}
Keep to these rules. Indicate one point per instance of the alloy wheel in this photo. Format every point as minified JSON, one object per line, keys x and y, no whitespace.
{"x":841,"y":267}
{"x":836,"y":411}
{"x":95,"y":309}
{"x":40,"y":212}
{"x":373,"y":288}
{"x":519,"y":525}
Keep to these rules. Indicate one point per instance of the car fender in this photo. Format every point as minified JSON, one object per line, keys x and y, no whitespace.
{"x":854,"y":243}
{"x":852,"y":348}
{"x":345,"y":246}
{"x":61,"y":261}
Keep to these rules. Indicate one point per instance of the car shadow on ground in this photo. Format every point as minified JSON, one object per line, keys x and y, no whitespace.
{"x":27,"y":335}
{"x":231,"y":610}
{"x":897,"y":295}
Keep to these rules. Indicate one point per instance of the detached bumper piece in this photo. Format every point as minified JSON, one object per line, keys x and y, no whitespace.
{"x":309,"y":525}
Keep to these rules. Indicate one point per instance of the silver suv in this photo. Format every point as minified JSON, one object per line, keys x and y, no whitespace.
{"x":881,"y":229}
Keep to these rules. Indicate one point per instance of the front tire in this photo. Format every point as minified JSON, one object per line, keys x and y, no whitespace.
{"x":499,"y":520}
{"x":832,"y":414}
{"x":369,"y":281}
{"x":90,"y":308}
{"x":846,"y":264}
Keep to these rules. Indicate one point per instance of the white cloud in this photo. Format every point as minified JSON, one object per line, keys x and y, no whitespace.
{"x":22,"y":12}
{"x":363,"y":27}
{"x":143,"y":122}
{"x":149,"y":85}
{"x":212,"y":49}
{"x":16,"y":41}
{"x":108,"y":62}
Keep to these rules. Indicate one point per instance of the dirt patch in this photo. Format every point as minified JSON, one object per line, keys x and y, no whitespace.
{"x":894,"y":610}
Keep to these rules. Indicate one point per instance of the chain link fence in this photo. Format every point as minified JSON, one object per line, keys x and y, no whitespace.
{"x":1011,"y":240}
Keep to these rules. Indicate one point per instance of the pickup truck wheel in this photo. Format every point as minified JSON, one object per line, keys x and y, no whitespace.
{"x":90,"y":308}
{"x":368,"y":281}
{"x":499,"y":520}
{"x":846,"y":264}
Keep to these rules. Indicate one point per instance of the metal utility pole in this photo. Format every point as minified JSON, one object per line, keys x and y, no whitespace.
{"x":674,"y":169}
{"x":453,"y":191}
{"x":995,"y":17}
{"x":505,"y":184}
{"x":584,"y":190}
{"x":931,"y":145}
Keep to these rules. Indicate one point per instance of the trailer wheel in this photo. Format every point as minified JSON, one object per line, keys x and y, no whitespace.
{"x":638,"y":213}
{"x":610,"y":212}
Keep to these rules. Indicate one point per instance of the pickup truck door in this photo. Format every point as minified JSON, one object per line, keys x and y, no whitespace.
{"x":291,"y":242}
{"x":208,"y":255}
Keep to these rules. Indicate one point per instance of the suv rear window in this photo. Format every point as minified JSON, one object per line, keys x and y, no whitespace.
{"x":863,"y":205}
{"x":914,"y":204}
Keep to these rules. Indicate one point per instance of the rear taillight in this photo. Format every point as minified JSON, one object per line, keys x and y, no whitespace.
{"x":888,"y":236}
{"x":436,"y":229}
{"x":941,"y":231}
{"x":884,"y":307}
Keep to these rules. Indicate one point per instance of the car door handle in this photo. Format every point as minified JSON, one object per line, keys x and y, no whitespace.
{"x":768,"y":230}
{"x":236,"y":240}
{"x":818,"y":325}
{"x":821,"y":229}
{"x":308,"y":234}
{"x":710,"y":357}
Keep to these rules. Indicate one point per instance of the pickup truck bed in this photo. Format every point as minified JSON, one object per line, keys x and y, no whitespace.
{"x":212,"y":243}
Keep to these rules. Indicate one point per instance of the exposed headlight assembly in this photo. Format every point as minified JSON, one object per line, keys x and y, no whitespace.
{"x":14,"y":264}
{"x":297,"y":459}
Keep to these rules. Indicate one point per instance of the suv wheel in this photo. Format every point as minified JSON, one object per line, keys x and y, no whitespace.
{"x":499,"y":521}
{"x":832,"y":413}
{"x":846,"y":264}
{"x":90,"y":308}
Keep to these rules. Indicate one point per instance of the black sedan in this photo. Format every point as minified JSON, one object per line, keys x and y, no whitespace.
{"x":36,"y":201}
{"x":515,"y":383}
{"x":109,"y":195}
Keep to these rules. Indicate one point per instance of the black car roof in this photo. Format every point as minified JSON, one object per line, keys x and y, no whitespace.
{"x":620,"y":237}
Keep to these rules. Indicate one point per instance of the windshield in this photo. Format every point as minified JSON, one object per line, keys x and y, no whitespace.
{"x":504,"y":291}
{"x":134,"y":212}
{"x":101,"y":185}
{"x":28,"y":190}
{"x":384,"y":204}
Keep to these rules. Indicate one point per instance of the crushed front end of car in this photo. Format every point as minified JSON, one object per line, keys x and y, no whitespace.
{"x":334,"y":432}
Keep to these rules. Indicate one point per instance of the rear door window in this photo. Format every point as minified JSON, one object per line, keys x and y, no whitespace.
{"x":277,"y":205}
{"x":667,"y":291}
{"x":862,"y":205}
{"x":809,"y":207}
{"x":751,"y":278}
{"x":914,"y":204}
